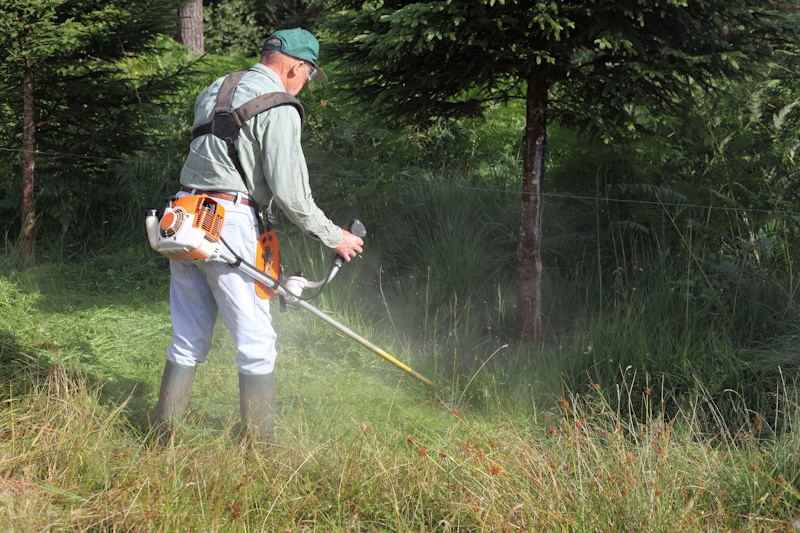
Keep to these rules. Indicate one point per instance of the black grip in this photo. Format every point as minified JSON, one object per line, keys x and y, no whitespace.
{"x":358,"y":229}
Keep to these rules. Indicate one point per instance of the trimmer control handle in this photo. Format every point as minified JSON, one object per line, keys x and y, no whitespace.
{"x":358,"y":229}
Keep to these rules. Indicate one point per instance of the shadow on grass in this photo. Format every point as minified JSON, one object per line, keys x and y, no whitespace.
{"x":24,"y":369}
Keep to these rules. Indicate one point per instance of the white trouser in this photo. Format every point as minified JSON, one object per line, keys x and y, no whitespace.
{"x":199,"y":289}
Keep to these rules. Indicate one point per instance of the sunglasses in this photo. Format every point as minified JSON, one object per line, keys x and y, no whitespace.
{"x":312,"y":71}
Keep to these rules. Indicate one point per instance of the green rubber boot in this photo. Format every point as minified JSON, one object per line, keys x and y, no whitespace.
{"x":257,"y":405}
{"x":176,"y":384}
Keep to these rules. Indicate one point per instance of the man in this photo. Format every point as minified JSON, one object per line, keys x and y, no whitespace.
{"x":271,"y":164}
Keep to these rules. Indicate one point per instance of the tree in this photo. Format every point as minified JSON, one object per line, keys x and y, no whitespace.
{"x":68,"y":86}
{"x":27,"y":52}
{"x":232,"y":25}
{"x":594,"y":63}
{"x":191,"y":32}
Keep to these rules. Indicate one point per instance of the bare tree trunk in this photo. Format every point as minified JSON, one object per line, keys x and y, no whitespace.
{"x":28,"y":166}
{"x":528,"y":270}
{"x":191,"y":33}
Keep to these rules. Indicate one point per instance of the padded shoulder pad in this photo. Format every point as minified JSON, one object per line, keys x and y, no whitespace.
{"x":264,"y":102}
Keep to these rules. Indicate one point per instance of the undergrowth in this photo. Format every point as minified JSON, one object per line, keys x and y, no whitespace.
{"x":502,"y":444}
{"x":70,"y":461}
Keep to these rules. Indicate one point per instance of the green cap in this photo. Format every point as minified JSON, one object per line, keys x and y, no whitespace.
{"x":298,"y":43}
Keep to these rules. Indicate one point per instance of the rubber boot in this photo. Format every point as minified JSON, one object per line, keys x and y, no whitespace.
{"x":176,"y":384}
{"x":257,"y":405}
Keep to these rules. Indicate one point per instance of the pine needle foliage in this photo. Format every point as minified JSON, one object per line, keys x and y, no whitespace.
{"x":102,"y":71}
{"x":600,"y":60}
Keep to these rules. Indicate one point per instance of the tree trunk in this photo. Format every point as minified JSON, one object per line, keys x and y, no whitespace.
{"x":528,"y":270}
{"x":191,"y":34}
{"x":28,"y":166}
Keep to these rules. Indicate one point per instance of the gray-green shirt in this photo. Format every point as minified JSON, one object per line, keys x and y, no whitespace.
{"x":270,"y":152}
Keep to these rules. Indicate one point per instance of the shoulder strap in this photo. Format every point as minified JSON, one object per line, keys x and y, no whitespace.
{"x":247,"y":110}
{"x":226,"y":92}
{"x":259,"y":104}
{"x":227,"y":122}
{"x":224,"y":101}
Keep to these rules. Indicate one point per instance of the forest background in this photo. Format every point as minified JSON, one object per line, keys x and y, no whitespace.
{"x":662,"y":394}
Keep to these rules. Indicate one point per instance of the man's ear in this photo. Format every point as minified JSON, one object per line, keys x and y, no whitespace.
{"x":299,"y":68}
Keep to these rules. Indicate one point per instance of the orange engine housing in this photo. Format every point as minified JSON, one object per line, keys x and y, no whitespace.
{"x":190,"y":228}
{"x":268,"y":259}
{"x":208,"y":215}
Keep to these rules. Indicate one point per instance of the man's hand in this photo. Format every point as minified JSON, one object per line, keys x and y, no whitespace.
{"x":350,"y":246}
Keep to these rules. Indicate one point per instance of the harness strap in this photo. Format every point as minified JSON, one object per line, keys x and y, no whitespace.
{"x":246,"y":111}
{"x":227,"y":122}
{"x":226,"y":92}
{"x":259,"y":104}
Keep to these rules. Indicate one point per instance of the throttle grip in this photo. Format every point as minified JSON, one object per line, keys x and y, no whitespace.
{"x":358,"y":229}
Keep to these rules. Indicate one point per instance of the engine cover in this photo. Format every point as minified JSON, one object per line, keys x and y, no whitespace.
{"x":189,"y":229}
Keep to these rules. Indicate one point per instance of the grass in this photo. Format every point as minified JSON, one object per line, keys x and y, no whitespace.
{"x":664,"y":397}
{"x":70,"y":461}
{"x":358,"y":446}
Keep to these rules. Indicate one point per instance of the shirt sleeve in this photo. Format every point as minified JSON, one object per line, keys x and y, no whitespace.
{"x":287,"y":175}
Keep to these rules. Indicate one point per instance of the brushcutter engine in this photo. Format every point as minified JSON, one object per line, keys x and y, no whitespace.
{"x":189,"y":229}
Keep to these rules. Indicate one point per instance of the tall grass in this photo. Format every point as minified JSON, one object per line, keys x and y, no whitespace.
{"x":651,"y":319}
{"x":69,"y":461}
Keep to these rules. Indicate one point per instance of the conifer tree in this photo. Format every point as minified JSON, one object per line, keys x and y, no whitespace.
{"x":590,"y":62}
{"x":191,"y":30}
{"x":68,"y":87}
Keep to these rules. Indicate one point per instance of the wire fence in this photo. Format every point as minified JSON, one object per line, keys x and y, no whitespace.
{"x":449,"y":183}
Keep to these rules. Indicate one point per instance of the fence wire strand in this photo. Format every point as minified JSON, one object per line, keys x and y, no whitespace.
{"x":450,"y":183}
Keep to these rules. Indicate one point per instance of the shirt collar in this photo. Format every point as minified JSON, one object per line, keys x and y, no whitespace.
{"x":268,"y":72}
